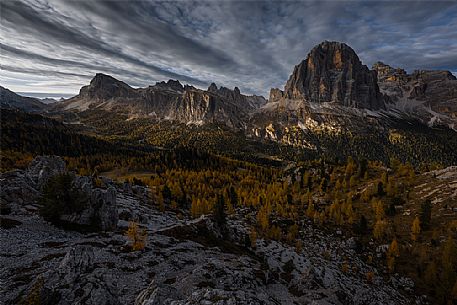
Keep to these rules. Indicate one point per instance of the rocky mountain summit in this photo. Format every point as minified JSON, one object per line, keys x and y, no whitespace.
{"x":332,"y":93}
{"x":165,"y":100}
{"x":184,"y":262}
{"x":333,"y":73}
{"x":330,"y":90}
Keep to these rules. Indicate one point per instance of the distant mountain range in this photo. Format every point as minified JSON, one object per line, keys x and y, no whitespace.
{"x":331,"y":77}
{"x":330,"y":92}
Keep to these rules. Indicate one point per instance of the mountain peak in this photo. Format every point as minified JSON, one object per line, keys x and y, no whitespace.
{"x":332,"y":72}
{"x":170,"y":84}
{"x":212,"y":88}
{"x":332,"y":45}
{"x":103,"y":78}
{"x":104,"y":86}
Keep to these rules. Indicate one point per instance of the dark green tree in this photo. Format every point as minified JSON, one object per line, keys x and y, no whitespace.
{"x":219,"y":211}
{"x":381,"y":189}
{"x":166,"y":192}
{"x":59,"y":197}
{"x":233,"y":196}
{"x":362,"y":168}
{"x":426,"y":214}
{"x":363,"y":225}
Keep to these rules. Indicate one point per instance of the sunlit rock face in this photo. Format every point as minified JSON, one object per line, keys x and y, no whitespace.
{"x":165,"y":101}
{"x":332,"y":72}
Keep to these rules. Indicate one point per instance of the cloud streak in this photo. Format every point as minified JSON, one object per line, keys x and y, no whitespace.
{"x":51,"y":45}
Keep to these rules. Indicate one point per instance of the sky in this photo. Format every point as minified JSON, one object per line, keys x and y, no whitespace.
{"x":53,"y":47}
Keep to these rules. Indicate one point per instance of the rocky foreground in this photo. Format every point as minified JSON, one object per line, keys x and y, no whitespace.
{"x":184,"y":262}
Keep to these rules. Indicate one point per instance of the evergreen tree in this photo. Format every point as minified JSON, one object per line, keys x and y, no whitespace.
{"x":380,"y":189}
{"x":323,"y":185}
{"x":393,"y":248}
{"x":363,"y":224}
{"x":352,"y":182}
{"x":310,"y":209}
{"x":362,"y":168}
{"x":384,"y":178}
{"x":137,"y":237}
{"x":219,"y":211}
{"x":426,"y":214}
{"x":166,"y":193}
{"x":59,"y":197}
{"x":233,"y":196}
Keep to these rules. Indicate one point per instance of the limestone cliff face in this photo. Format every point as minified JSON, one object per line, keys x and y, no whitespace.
{"x":195,"y":105}
{"x":275,"y":95}
{"x":332,"y":72}
{"x":211,"y":106}
{"x":387,"y":73}
{"x":430,"y":94}
{"x":166,"y":100}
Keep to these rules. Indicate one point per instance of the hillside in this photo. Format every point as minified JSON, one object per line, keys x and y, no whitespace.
{"x":11,"y":100}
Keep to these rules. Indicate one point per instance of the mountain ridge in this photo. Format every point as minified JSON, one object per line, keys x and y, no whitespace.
{"x":165,"y":100}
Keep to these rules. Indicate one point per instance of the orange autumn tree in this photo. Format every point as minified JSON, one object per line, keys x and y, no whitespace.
{"x":415,"y":229}
{"x":136,"y":236}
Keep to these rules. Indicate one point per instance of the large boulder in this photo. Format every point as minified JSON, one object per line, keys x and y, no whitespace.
{"x":22,"y":189}
{"x":17,"y":191}
{"x":100,"y":210}
{"x":44,"y":167}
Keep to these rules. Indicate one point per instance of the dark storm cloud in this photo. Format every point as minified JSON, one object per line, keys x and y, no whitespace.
{"x":63,"y":64}
{"x":27,"y":19}
{"x":42,"y":72}
{"x":250,"y":44}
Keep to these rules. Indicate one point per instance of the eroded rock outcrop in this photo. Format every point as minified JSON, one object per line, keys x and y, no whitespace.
{"x":100,"y":210}
{"x":44,"y":167}
{"x":22,"y":189}
{"x":388,"y":73}
{"x":77,"y":280}
{"x":275,"y":95}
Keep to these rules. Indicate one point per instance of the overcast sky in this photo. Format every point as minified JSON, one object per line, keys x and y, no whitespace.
{"x":57,"y":46}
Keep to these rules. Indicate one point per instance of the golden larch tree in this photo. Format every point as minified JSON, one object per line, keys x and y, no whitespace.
{"x":415,"y":229}
{"x":137,"y":237}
